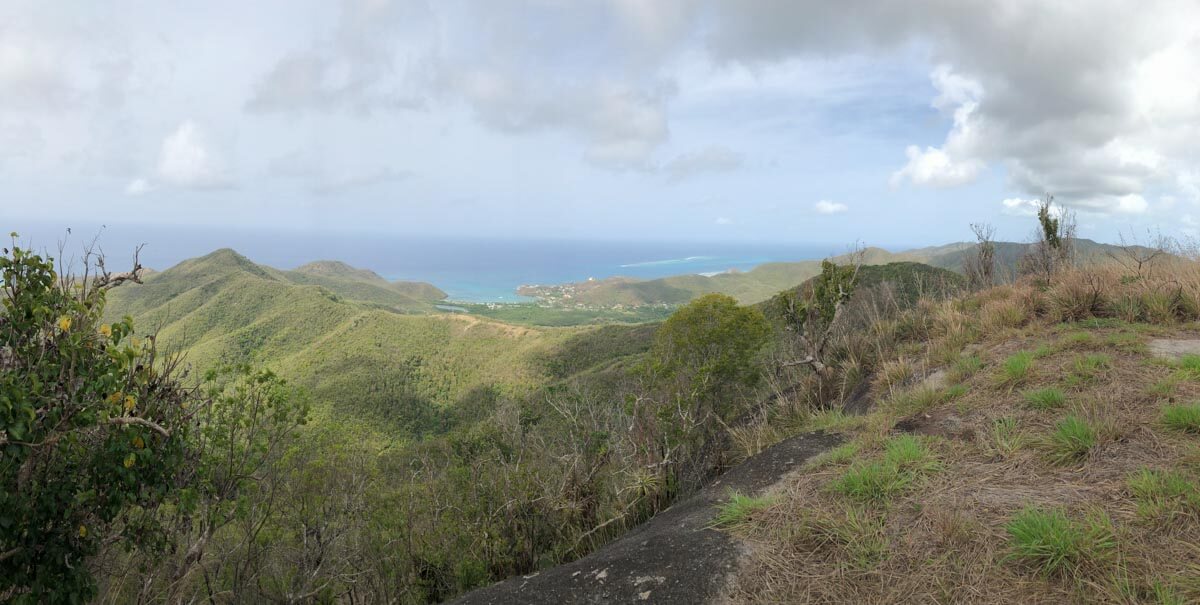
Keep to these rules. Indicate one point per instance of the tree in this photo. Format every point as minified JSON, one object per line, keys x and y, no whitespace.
{"x":980,"y":267}
{"x":707,"y":348}
{"x":1053,"y":248}
{"x":93,"y":428}
{"x":816,"y":312}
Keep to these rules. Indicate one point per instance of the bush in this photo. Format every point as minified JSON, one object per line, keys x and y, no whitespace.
{"x":94,"y":430}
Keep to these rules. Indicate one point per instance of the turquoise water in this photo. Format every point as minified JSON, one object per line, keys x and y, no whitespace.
{"x":470,"y":270}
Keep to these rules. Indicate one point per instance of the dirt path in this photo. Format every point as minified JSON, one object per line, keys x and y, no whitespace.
{"x":673,"y":558}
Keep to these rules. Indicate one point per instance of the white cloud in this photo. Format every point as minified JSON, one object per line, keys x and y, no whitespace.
{"x":829,"y":207}
{"x":188,"y":160}
{"x":723,"y":220}
{"x":1016,"y":206}
{"x":935,"y":168}
{"x":139,"y":186}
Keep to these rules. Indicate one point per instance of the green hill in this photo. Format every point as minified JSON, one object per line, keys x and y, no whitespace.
{"x":363,"y":349}
{"x":764,"y":281}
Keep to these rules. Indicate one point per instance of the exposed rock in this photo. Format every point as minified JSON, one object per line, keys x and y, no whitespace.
{"x":676,"y":557}
{"x":1169,"y":348}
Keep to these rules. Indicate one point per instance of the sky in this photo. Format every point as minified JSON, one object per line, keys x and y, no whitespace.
{"x":673,"y":120}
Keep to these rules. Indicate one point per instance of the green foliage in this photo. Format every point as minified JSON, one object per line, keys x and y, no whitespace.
{"x":1185,"y":418}
{"x":1054,"y":544}
{"x":707,"y":349}
{"x":1072,"y":439}
{"x":93,"y":431}
{"x":739,"y":509}
{"x":1045,"y":399}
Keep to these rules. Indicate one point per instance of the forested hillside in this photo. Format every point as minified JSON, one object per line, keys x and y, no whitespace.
{"x":365,"y":349}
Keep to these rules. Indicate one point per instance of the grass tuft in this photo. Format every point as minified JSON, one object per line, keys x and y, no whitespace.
{"x":1015,"y":370}
{"x":1054,"y":544}
{"x":1072,"y":439}
{"x":1045,"y":399}
{"x":905,"y":459}
{"x":1189,"y":367}
{"x":1163,"y":495}
{"x":739,"y":509}
{"x":1184,"y":418}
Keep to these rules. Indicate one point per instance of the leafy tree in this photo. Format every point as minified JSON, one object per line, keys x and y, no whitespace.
{"x":708,"y":347}
{"x":93,"y":429}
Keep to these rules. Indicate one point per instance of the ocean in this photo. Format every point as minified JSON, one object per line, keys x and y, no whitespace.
{"x":469,"y":270}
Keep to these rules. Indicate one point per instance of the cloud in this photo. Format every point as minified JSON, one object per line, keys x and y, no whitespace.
{"x":828,"y":207}
{"x":139,"y":186}
{"x":188,"y":160}
{"x":1016,"y":206}
{"x":711,"y":159}
{"x":1030,"y":89}
{"x":723,"y":220}
{"x":356,"y":67}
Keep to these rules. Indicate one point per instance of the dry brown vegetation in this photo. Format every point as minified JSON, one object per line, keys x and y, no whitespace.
{"x":1114,"y":486}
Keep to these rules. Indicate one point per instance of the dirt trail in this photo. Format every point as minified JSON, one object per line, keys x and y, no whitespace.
{"x":672,"y":558}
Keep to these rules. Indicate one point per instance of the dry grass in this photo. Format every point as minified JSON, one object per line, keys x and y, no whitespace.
{"x":1132,"y":534}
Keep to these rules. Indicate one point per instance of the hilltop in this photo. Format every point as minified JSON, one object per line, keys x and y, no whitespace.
{"x":768,"y":279}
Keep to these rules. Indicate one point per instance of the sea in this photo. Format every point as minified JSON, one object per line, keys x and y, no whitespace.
{"x":472,"y":270}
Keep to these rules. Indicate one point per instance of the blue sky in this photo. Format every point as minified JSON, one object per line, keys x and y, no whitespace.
{"x":706,"y":120}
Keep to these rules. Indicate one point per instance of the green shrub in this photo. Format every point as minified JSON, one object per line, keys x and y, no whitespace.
{"x":1072,"y":439}
{"x":1045,"y":399}
{"x":1053,"y":544}
{"x":1184,"y":418}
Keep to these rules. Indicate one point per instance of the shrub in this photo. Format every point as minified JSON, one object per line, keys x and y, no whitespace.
{"x":1184,"y":418}
{"x":93,"y":427}
{"x":1054,"y":544}
{"x":1072,"y":439}
{"x":1045,"y":399}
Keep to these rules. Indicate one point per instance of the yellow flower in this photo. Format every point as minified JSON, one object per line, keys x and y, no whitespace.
{"x":82,"y":531}
{"x":138,"y":442}
{"x":130,"y":403}
{"x":129,"y":460}
{"x":64,"y":323}
{"x":106,"y":331}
